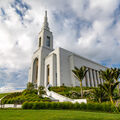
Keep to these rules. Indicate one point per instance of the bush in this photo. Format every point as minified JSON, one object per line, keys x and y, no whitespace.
{"x":106,"y":107}
{"x":119,"y":107}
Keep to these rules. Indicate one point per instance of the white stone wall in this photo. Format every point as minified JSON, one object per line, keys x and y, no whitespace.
{"x":68,"y":60}
{"x":65,"y":67}
{"x":51,"y":61}
{"x":79,"y":61}
{"x":62,"y":62}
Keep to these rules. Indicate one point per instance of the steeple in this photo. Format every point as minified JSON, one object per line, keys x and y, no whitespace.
{"x":45,"y":35}
{"x":45,"y":24}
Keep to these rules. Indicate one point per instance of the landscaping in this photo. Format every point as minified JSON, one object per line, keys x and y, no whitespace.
{"x":104,"y":98}
{"x":29,"y":94}
{"x":72,"y":92}
{"x":3,"y":94}
{"x":55,"y":115}
{"x":106,"y":107}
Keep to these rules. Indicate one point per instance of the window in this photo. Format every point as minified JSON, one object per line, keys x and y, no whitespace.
{"x":48,"y":41}
{"x":39,"y":41}
{"x":48,"y":74}
{"x":56,"y":79}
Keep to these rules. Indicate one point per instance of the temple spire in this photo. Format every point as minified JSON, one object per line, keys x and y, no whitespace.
{"x":45,"y":24}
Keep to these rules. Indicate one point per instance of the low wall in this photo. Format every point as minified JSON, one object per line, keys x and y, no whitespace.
{"x":62,"y":98}
{"x":10,"y":106}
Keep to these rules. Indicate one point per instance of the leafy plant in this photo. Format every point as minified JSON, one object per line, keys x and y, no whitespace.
{"x":109,"y":84}
{"x":80,"y":73}
{"x":41,"y":90}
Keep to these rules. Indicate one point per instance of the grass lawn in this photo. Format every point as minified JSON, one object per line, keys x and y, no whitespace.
{"x":55,"y":115}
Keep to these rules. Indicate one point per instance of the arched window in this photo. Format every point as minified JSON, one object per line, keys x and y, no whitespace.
{"x":48,"y":74}
{"x":35,"y":72}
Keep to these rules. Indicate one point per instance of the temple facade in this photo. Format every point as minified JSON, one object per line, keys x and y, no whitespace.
{"x":54,"y":66}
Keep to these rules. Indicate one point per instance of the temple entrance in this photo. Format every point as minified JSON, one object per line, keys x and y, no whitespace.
{"x":48,"y":74}
{"x":35,"y":72}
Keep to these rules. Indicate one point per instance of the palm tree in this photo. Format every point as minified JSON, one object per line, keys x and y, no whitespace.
{"x":109,"y":84}
{"x":116,"y":72}
{"x":80,"y":73}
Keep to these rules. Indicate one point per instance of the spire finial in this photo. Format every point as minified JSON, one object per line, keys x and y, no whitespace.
{"x":45,"y":13}
{"x":45,"y":24}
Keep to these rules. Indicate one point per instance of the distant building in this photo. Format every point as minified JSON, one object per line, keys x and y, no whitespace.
{"x":54,"y":67}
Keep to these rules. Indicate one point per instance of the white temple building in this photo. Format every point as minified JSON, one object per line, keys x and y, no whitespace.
{"x":54,"y":66}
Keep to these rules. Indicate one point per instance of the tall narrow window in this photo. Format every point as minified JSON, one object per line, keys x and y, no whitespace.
{"x":35,"y":72}
{"x":48,"y":41}
{"x":56,"y":79}
{"x":48,"y":74}
{"x":39,"y":41}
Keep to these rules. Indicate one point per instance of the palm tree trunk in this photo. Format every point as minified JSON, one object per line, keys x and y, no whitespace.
{"x":81,"y":89}
{"x":111,"y":100}
{"x":99,"y":99}
{"x":118,"y":90}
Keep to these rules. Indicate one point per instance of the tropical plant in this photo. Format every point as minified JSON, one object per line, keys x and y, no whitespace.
{"x":41,"y":90}
{"x":98,"y":94}
{"x":30,"y":86}
{"x":80,"y":73}
{"x":109,"y":84}
{"x":116,"y":72}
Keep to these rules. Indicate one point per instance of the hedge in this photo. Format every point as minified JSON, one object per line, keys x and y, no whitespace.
{"x":106,"y":107}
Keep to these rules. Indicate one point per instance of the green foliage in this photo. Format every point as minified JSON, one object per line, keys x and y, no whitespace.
{"x":109,"y":84}
{"x":80,"y":73}
{"x":30,"y":86}
{"x":106,"y":107}
{"x":99,"y":94}
{"x":21,"y":97}
{"x":27,"y":91}
{"x":41,"y":90}
{"x":3,"y":94}
{"x":72,"y":92}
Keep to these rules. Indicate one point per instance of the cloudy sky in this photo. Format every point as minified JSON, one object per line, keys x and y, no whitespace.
{"x":90,"y":28}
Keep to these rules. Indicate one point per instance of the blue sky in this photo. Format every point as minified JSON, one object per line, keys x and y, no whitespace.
{"x":90,"y":28}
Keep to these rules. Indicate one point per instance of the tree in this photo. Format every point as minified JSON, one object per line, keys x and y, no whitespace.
{"x":116,"y":72}
{"x":80,"y":73}
{"x":30,"y":86}
{"x":109,"y":84}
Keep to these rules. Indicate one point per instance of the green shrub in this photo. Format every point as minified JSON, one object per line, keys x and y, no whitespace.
{"x":83,"y":106}
{"x":119,"y":107}
{"x":91,"y":106}
{"x":25,"y":105}
{"x":114,"y":109}
{"x":106,"y":107}
{"x":76,"y":106}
